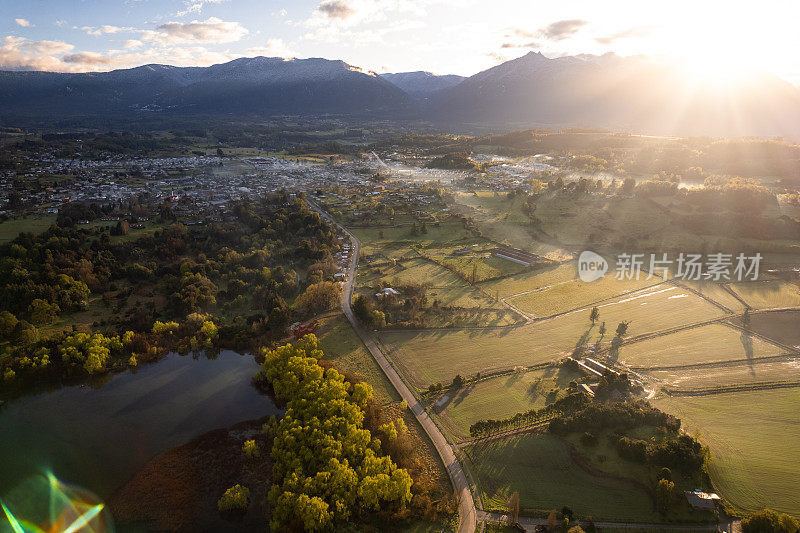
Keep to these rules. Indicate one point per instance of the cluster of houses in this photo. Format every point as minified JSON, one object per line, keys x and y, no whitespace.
{"x":192,"y":181}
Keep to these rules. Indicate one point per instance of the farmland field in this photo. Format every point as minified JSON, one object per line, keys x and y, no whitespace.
{"x":11,"y":228}
{"x":483,"y":268}
{"x":768,"y":294}
{"x":788,"y":369}
{"x":397,"y":241}
{"x":501,"y":397}
{"x":716,"y":292}
{"x":502,"y":220}
{"x":715,"y":342}
{"x":783,"y":326}
{"x":432,"y":356}
{"x":566,"y":296}
{"x":540,"y":468}
{"x":533,"y":279}
{"x":754,"y":438}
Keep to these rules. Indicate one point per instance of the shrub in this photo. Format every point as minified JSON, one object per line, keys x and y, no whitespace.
{"x":235,"y":498}
{"x":251,"y":449}
{"x":768,"y":521}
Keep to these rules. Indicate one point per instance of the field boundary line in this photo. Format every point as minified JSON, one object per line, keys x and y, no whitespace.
{"x":723,"y":389}
{"x":718,"y":364}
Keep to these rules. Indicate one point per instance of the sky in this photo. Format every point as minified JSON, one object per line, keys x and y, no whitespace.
{"x":441,"y":36}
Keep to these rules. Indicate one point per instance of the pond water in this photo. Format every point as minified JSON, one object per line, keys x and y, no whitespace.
{"x":97,"y":438}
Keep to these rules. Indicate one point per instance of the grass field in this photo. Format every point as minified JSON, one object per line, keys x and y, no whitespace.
{"x":715,"y":342}
{"x":754,"y":438}
{"x":540,"y":468}
{"x":533,"y":279}
{"x":501,"y":397}
{"x":781,"y":326}
{"x":33,"y":224}
{"x":431,"y":356}
{"x":788,"y":369}
{"x":503,"y":220}
{"x":397,"y":241}
{"x":563,"y":297}
{"x":482,"y":268}
{"x":716,"y":292}
{"x":341,"y":345}
{"x":446,"y":289}
{"x":768,"y":294}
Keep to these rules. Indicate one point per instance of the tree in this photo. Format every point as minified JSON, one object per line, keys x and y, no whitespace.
{"x":24,"y":333}
{"x":602,"y":330}
{"x":458,"y":382}
{"x":768,"y":521}
{"x":235,"y":498}
{"x":513,"y":508}
{"x":318,"y":298}
{"x":251,"y":449}
{"x":7,"y":323}
{"x":594,"y":315}
{"x":622,"y":328}
{"x":42,"y":312}
{"x":665,"y":494}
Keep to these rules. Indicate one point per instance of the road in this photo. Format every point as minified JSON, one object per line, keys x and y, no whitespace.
{"x":466,"y":510}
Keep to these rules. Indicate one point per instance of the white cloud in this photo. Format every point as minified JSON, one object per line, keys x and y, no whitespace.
{"x":17,"y":53}
{"x":25,"y":23}
{"x":51,"y":47}
{"x":273,"y":48}
{"x":211,"y":30}
{"x":133,"y":43}
{"x":105,"y":29}
{"x":196,"y":6}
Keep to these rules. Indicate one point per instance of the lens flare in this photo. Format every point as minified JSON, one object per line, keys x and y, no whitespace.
{"x":45,"y":504}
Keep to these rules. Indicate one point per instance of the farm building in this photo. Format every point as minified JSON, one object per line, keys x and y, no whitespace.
{"x":702,"y":500}
{"x":516,"y":255}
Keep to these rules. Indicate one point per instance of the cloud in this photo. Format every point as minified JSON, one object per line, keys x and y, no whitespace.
{"x":89,"y":59}
{"x":105,"y":29}
{"x":196,"y":6}
{"x":25,"y":23}
{"x":273,"y":48}
{"x":530,"y":44}
{"x":132,"y":43}
{"x":637,"y":31}
{"x":51,"y":47}
{"x":336,"y":9}
{"x":18,"y":53}
{"x":561,"y":29}
{"x":519,"y":32}
{"x":211,"y":30}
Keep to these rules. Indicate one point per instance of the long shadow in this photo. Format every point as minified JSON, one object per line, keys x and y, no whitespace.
{"x":512,"y":379}
{"x":583,"y":339}
{"x":462,"y":393}
{"x":747,"y":343}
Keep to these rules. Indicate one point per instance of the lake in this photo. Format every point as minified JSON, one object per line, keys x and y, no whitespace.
{"x":97,"y":438}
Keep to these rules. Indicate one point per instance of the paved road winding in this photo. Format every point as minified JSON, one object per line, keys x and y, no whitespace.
{"x":467,"y":511}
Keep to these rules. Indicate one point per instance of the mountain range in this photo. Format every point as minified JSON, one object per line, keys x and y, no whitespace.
{"x":633,"y":94}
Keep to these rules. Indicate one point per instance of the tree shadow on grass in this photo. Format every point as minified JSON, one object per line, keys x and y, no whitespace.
{"x":747,"y":343}
{"x":461,"y":394}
